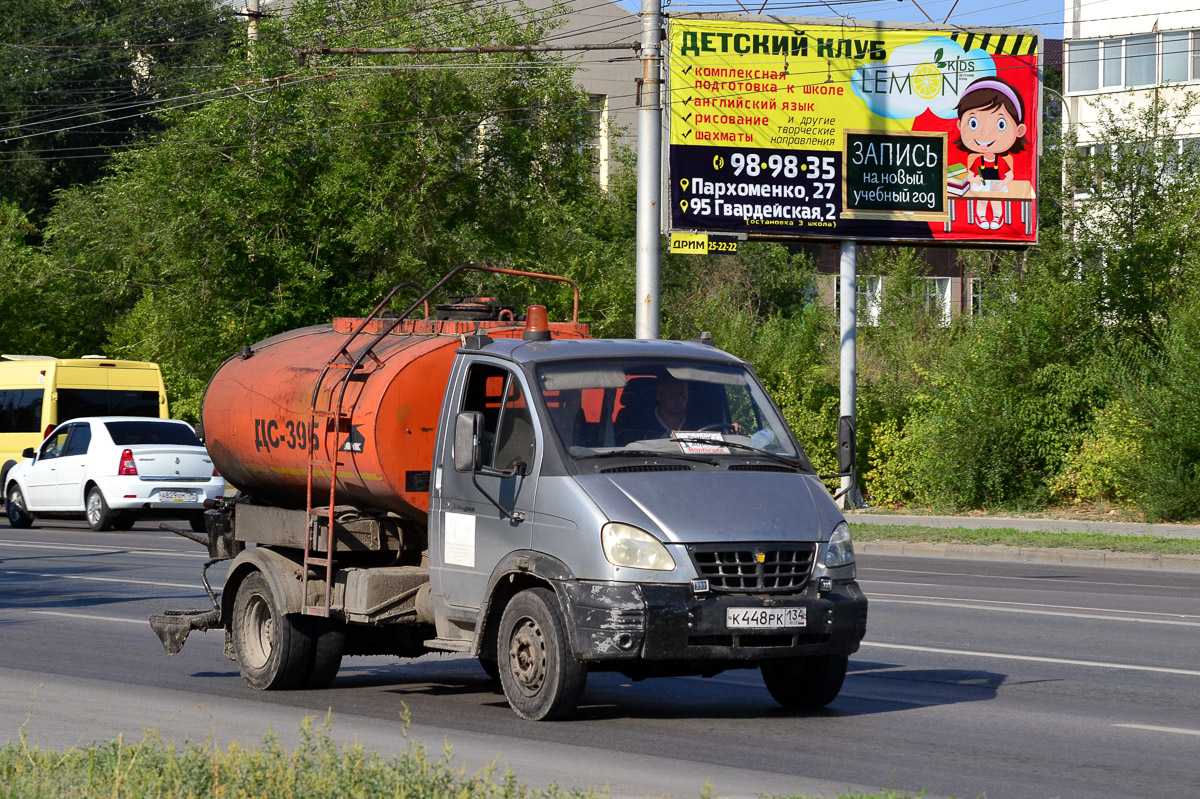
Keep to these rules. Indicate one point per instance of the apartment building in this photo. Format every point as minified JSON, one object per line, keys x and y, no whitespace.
{"x":1127,"y":52}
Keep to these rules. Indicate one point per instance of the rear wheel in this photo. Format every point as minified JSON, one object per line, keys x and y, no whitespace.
{"x":329,"y":640}
{"x":18,"y":515}
{"x":125,"y":521}
{"x":541,"y":679}
{"x":273,"y":649}
{"x":805,"y":683}
{"x":196,"y":520}
{"x":99,"y":517}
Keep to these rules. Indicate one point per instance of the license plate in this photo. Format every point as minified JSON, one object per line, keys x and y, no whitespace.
{"x":765,"y":618}
{"x":177,"y":496}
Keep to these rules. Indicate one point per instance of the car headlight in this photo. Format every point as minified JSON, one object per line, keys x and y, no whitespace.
{"x":840,"y":549}
{"x":626,"y":545}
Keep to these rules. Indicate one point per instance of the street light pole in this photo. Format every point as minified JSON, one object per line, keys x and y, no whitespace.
{"x":649,"y":174}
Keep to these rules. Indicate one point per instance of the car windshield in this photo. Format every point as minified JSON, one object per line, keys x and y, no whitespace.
{"x":610,"y":407}
{"x":148,"y":432}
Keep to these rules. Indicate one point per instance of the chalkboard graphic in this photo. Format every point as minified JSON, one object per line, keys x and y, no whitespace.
{"x":894,"y":175}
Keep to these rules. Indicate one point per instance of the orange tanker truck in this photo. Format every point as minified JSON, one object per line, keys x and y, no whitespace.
{"x":506,"y":487}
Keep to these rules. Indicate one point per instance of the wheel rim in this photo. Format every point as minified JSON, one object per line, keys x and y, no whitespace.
{"x":93,"y":508}
{"x":260,"y":629}
{"x":15,"y":502}
{"x":527,"y":656}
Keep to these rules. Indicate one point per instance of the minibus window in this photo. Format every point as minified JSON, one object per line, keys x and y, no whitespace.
{"x":21,"y":410}
{"x":76,"y":402}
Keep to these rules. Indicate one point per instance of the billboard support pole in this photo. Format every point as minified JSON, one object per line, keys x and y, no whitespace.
{"x":649,"y":173}
{"x":848,"y":316}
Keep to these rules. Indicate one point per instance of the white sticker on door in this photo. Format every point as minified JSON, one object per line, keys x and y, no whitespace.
{"x":460,"y":539}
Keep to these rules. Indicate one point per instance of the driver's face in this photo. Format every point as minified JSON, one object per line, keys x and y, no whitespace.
{"x":673,"y":396}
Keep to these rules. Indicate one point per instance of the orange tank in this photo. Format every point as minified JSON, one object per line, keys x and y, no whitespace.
{"x":258,"y":424}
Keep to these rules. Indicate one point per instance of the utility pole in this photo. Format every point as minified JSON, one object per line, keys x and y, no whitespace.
{"x":649,"y":173}
{"x":252,"y":21}
{"x":848,"y":318}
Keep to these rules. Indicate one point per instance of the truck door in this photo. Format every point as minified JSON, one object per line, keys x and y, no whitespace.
{"x":473,"y":533}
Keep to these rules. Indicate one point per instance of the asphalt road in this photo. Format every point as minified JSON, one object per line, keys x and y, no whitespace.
{"x":1010,"y":679}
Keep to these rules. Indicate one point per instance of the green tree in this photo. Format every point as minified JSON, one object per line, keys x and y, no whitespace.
{"x":307,"y":192}
{"x":77,"y":78}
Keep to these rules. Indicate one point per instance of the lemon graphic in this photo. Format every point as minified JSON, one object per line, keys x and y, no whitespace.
{"x":926,"y":81}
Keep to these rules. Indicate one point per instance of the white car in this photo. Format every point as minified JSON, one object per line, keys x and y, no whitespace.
{"x":113,"y":470}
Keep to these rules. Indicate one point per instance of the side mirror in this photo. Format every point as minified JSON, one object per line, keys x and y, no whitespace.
{"x":466,"y":441}
{"x":28,"y":453}
{"x":847,"y":445}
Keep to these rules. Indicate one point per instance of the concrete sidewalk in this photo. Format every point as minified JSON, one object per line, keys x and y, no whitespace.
{"x":1016,"y":523}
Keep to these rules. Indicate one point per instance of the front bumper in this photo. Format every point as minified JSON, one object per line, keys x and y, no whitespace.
{"x":651,"y":622}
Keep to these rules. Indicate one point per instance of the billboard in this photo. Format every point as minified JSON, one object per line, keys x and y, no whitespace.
{"x":794,"y":128}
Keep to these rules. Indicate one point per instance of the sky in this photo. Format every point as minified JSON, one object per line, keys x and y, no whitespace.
{"x":1044,"y":14}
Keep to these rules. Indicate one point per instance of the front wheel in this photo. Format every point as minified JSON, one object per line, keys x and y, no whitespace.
{"x":541,"y":679}
{"x":805,"y":683}
{"x":18,"y":515}
{"x":273,"y":649}
{"x":99,"y":517}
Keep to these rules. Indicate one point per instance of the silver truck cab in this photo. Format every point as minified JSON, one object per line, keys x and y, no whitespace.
{"x":581,"y":519}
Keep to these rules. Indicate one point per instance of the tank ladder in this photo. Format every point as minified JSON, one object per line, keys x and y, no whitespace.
{"x":329,"y":419}
{"x":343,"y":360}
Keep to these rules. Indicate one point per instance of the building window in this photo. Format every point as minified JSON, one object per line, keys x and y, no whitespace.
{"x":598,"y":111}
{"x":1196,"y":53}
{"x":1140,"y":61}
{"x":1175,"y":56}
{"x":1083,"y":66}
{"x":937,"y":298}
{"x":869,"y":289}
{"x":1112,"y":62}
{"x":976,"y":296}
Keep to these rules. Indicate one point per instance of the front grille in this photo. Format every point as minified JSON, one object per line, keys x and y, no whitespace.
{"x":754,"y":569}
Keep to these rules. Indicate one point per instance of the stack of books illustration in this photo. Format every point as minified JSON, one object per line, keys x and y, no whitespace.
{"x":957,"y":183}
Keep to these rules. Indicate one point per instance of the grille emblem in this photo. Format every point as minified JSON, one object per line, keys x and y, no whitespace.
{"x":761,"y":556}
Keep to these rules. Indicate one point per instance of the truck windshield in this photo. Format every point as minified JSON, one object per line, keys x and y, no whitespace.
{"x":604,"y":408}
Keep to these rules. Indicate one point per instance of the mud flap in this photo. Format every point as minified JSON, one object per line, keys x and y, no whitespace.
{"x":173,"y":627}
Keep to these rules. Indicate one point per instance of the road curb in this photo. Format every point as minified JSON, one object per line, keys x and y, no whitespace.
{"x":1000,"y":552}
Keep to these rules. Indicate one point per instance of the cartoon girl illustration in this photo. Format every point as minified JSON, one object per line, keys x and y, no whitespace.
{"x":991,"y":127}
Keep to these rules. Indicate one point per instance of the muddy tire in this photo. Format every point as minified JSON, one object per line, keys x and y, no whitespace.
{"x":541,"y":679}
{"x":329,"y":641}
{"x":273,"y":649}
{"x":18,"y":516}
{"x":805,"y":683}
{"x":490,"y":667}
{"x":99,"y":516}
{"x":196,"y":522}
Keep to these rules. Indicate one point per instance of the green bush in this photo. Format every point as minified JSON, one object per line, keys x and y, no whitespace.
{"x":1163,"y":469}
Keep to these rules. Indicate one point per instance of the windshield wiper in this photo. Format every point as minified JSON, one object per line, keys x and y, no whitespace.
{"x":649,"y":453}
{"x":775,"y":456}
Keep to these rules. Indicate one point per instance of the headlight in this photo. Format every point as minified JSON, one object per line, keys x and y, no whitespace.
{"x":840,"y":549}
{"x":625,"y":545}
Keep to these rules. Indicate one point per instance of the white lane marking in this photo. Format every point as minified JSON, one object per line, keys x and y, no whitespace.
{"x":1152,"y":728}
{"x":87,"y":616}
{"x":1033,"y":658}
{"x":951,"y":602}
{"x":102,"y":550}
{"x":1071,"y":581}
{"x":102,"y":579}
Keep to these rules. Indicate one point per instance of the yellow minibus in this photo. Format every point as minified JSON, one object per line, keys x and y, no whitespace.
{"x":38,"y":391}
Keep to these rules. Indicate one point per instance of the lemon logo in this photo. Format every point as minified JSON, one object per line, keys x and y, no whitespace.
{"x":926,"y":81}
